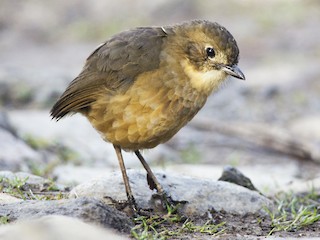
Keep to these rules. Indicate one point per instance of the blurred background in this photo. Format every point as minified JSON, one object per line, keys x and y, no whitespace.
{"x":43,"y":46}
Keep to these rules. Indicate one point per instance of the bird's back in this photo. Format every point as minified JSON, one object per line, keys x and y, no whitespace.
{"x":111,"y":69}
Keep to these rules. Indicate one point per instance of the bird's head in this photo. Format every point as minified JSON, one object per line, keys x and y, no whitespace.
{"x":207,"y":52}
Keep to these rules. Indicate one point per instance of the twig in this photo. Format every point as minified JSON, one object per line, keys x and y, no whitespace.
{"x":267,"y":136}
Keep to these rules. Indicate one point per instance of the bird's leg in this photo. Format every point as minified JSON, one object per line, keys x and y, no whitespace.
{"x":153,"y":181}
{"x":151,"y":176}
{"x":131,"y":199}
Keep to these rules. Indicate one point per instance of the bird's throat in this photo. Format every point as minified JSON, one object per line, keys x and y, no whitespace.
{"x":204,"y":82}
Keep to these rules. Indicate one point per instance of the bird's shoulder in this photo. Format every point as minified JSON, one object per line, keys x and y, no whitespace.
{"x":125,"y":55}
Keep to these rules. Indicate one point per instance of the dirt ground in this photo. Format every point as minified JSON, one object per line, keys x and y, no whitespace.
{"x":245,"y":227}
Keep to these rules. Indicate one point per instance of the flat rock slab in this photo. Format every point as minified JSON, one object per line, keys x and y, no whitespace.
{"x":86,"y":209}
{"x":201,"y":195}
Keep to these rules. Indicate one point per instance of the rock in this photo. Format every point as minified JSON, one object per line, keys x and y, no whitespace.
{"x":55,"y":228}
{"x":15,"y":153}
{"x":87,"y":209}
{"x":268,"y":178}
{"x":6,"y":198}
{"x":29,"y":181}
{"x":74,"y":175}
{"x":233,"y":175}
{"x":5,"y":123}
{"x":201,"y":195}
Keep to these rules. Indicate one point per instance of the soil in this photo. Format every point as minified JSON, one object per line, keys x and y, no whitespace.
{"x":250,"y":226}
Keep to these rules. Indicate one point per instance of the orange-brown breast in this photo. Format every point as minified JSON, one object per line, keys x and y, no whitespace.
{"x":150,"y":112}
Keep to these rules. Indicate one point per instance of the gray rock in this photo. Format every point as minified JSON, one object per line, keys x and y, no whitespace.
{"x":15,"y":153}
{"x":31,"y":182}
{"x":201,"y":195}
{"x":233,"y":175}
{"x":6,"y":198}
{"x":87,"y":209}
{"x":55,"y":228}
{"x":268,"y":178}
{"x":5,"y":123}
{"x":74,"y":175}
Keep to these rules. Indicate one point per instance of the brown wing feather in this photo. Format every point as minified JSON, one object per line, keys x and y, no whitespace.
{"x":112,"y":68}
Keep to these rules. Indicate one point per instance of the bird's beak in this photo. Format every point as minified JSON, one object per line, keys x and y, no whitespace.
{"x":233,"y":71}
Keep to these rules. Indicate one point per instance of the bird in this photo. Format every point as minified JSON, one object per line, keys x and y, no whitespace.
{"x":142,"y":85}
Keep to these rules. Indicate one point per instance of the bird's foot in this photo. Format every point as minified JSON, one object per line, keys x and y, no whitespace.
{"x":131,"y":208}
{"x":164,"y":203}
{"x":128,"y":206}
{"x":160,"y":203}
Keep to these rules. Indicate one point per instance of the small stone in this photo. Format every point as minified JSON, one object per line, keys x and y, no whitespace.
{"x":233,"y":175}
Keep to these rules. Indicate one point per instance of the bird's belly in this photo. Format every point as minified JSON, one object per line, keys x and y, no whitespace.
{"x":140,"y":121}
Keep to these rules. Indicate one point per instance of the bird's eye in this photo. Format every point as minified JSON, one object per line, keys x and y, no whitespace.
{"x":210,"y":52}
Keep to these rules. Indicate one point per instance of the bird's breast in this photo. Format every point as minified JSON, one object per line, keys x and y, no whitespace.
{"x":155,"y":108}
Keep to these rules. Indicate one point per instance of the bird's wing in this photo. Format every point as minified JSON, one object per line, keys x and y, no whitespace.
{"x":112,"y":68}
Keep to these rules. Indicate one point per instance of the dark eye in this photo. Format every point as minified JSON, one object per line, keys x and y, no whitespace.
{"x":210,"y":52}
